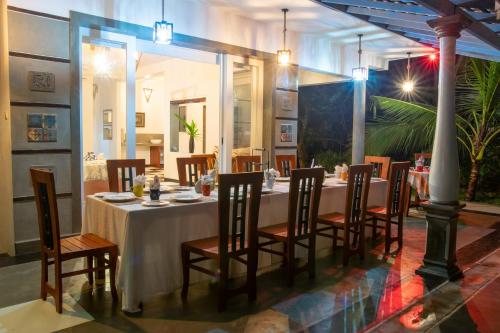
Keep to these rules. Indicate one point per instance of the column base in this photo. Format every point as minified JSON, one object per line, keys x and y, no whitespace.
{"x":440,"y":253}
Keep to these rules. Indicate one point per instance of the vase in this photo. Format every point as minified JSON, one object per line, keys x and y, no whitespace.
{"x":270,"y":182}
{"x":191,"y":144}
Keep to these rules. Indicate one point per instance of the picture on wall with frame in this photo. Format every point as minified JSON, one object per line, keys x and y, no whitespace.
{"x":140,"y":119}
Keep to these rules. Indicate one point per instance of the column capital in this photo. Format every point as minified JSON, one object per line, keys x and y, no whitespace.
{"x":449,"y":26}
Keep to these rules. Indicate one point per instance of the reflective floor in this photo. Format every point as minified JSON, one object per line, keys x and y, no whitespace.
{"x":379,"y":294}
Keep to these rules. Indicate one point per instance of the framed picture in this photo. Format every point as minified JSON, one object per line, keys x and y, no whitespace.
{"x":286,"y":104}
{"x":107,"y":117}
{"x":107,"y":132}
{"x":42,"y":81}
{"x":140,"y":119}
{"x":41,"y":127}
{"x":286,"y":133}
{"x":182,"y":115}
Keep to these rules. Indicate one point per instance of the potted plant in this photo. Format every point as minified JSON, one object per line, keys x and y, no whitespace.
{"x":191,"y":130}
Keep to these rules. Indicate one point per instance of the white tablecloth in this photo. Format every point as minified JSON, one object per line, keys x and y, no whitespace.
{"x":149,"y":238}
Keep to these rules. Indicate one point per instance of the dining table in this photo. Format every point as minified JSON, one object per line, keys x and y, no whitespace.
{"x":419,"y":180}
{"x":149,"y":238}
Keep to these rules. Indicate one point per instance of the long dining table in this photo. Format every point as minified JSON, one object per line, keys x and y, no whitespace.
{"x":149,"y":238}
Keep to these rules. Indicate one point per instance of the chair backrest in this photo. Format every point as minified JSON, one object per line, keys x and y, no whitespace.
{"x":118,"y":182}
{"x":247,"y":163}
{"x":46,"y":205}
{"x":396,"y":188}
{"x":285,"y":164}
{"x":190,"y":169}
{"x":233,"y":227}
{"x":358,"y":186}
{"x":303,"y":201}
{"x":211,"y":159}
{"x":427,"y":157}
{"x":380,"y":165}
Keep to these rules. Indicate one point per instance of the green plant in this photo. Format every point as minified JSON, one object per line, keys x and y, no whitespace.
{"x":409,"y":127}
{"x":329,"y":159}
{"x":191,"y":128}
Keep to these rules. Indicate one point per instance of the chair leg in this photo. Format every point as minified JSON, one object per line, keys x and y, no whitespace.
{"x":346,"y":248}
{"x":58,"y":287}
{"x":387,"y":235}
{"x":223,"y":279}
{"x":45,"y":278}
{"x":335,"y":235}
{"x":252,"y":276}
{"x":374,"y":230}
{"x":400,"y":232}
{"x":185,"y":272}
{"x":113,"y":258}
{"x":311,"y":260}
{"x":290,"y":267}
{"x":90,"y":265}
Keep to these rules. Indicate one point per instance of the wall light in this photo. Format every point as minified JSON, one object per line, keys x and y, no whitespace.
{"x":284,"y":55}
{"x":163,"y":31}
{"x":360,"y":73}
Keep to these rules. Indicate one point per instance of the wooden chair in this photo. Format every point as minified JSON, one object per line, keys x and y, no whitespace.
{"x":190,"y":169}
{"x":247,"y":163}
{"x":380,"y":165}
{"x":394,"y":207}
{"x":352,"y":221}
{"x":118,"y":182}
{"x":303,"y":204}
{"x":54,"y":250}
{"x":285,"y":163}
{"x":211,"y":159}
{"x":236,"y":238}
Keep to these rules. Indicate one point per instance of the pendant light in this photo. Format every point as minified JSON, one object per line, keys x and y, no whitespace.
{"x":284,"y":55}
{"x":360,"y":73}
{"x":163,"y":32}
{"x":408,"y":85}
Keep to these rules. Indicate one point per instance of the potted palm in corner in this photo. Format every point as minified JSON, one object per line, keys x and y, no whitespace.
{"x":191,"y":130}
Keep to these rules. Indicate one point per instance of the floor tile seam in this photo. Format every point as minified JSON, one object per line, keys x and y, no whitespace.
{"x":411,"y":304}
{"x":464,"y":302}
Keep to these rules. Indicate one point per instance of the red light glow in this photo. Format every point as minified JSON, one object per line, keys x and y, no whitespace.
{"x":432,"y":57}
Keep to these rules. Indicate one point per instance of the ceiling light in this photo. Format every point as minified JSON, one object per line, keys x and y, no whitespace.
{"x":163,"y":31}
{"x":284,"y":55}
{"x":432,"y":56}
{"x":101,"y":63}
{"x":360,"y":73}
{"x":408,"y":85}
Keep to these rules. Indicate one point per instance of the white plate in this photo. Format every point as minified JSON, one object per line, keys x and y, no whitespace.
{"x":181,"y":188}
{"x":187,"y":197}
{"x":282,"y":179}
{"x":266,"y":190}
{"x":102,"y":194}
{"x":330,"y":175}
{"x":155,"y":203}
{"x":119,"y":197}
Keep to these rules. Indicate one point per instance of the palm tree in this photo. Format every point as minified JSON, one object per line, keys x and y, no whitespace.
{"x":405,"y":126}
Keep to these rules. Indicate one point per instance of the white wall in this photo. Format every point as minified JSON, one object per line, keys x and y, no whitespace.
{"x":200,"y":19}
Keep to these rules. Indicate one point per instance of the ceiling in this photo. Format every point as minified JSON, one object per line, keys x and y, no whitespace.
{"x":389,"y":27}
{"x":312,"y":17}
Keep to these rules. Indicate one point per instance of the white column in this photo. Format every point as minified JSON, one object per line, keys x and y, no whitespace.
{"x":358,"y":122}
{"x":7,"y":219}
{"x":444,"y":177}
{"x":226,"y":113}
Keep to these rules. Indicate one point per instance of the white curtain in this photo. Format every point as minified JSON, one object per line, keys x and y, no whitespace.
{"x":7,"y":220}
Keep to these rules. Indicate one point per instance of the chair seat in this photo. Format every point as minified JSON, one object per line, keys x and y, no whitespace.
{"x":83,"y":245}
{"x":276,"y":231}
{"x":378,"y":211}
{"x":333,"y":219}
{"x":209,"y":247}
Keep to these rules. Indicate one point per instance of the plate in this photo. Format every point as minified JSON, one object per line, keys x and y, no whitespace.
{"x":119,"y":197}
{"x":155,"y":203}
{"x":330,"y":175}
{"x":187,"y":197}
{"x":266,"y":190}
{"x":282,"y":179}
{"x":102,"y":194}
{"x":181,"y":188}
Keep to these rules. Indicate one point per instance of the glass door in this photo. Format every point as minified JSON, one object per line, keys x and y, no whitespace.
{"x":107,"y":103}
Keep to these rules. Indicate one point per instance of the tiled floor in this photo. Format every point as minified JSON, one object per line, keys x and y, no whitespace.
{"x":379,"y":294}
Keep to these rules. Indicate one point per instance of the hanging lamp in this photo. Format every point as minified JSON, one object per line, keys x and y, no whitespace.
{"x":163,"y":31}
{"x":408,"y":85}
{"x":360,"y":73}
{"x":284,"y":55}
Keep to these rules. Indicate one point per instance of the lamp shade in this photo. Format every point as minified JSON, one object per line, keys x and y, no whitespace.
{"x":284,"y":57}
{"x":360,"y":73}
{"x":163,"y":32}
